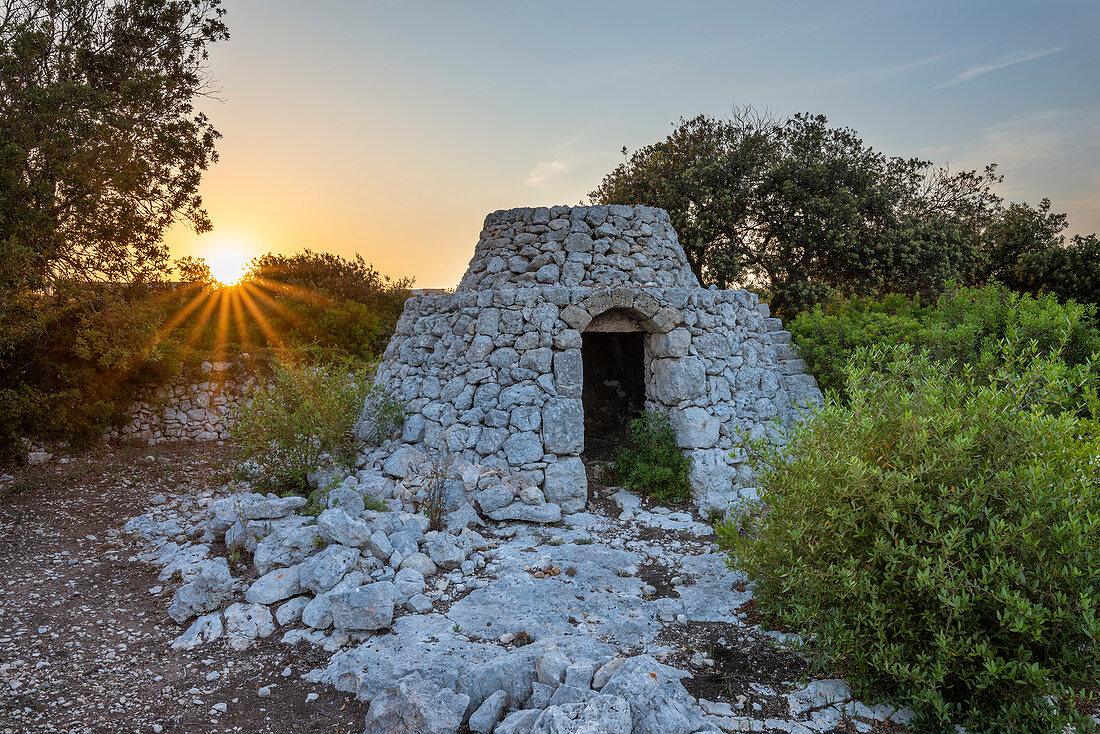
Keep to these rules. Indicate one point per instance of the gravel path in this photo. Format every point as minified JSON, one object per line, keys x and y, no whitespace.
{"x":84,"y":635}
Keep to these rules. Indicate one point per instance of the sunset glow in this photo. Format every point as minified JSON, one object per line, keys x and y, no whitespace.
{"x":409,"y":189}
{"x":228,"y":259}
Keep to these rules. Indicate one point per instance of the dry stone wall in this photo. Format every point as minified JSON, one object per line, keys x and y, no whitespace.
{"x":494,"y":371}
{"x":193,"y":410}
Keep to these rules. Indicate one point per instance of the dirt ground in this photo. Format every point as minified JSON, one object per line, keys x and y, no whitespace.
{"x":84,"y":643}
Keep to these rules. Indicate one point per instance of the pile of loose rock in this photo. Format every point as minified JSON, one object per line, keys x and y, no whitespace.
{"x":349,"y":567}
{"x":504,"y":626}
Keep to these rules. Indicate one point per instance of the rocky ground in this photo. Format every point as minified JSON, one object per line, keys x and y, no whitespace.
{"x":84,"y":635}
{"x":623,"y":612}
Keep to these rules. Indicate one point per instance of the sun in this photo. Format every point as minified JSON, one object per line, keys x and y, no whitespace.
{"x":228,"y":261}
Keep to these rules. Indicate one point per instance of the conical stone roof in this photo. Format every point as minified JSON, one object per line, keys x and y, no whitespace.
{"x":579,"y":246}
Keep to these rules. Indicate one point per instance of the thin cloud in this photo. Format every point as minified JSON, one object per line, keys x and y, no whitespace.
{"x":878,"y":73}
{"x":546,"y":171}
{"x":1016,"y":57}
{"x":560,"y":163}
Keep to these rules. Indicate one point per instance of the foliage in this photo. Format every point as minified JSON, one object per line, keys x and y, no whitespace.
{"x":963,"y":328}
{"x":72,"y":366}
{"x":372,"y":503}
{"x":1069,"y":272}
{"x":102,"y":149}
{"x":1020,"y":231}
{"x":653,"y":463}
{"x":434,"y":473}
{"x":333,"y":301}
{"x":806,"y":210}
{"x":301,"y":414}
{"x":194,"y":270}
{"x":938,"y":537}
{"x":830,"y":333}
{"x":73,"y":362}
{"x":1027,"y":251}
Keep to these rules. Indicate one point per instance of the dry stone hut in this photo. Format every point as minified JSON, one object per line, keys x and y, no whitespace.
{"x":570,"y":321}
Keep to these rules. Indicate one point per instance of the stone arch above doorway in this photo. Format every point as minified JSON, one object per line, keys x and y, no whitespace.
{"x":652,"y":317}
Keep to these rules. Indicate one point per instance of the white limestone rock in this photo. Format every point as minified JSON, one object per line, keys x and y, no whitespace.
{"x":347,"y":497}
{"x":286,"y":547}
{"x":337,"y":526}
{"x":528,"y":513}
{"x":275,"y":586}
{"x":519,"y":722}
{"x":567,"y":484}
{"x":244,"y":623}
{"x":418,"y":562}
{"x":550,"y":667}
{"x":272,"y":507}
{"x":321,"y":572}
{"x":448,"y":551}
{"x":206,"y":628}
{"x":204,"y":593}
{"x":489,"y":713}
{"x":403,"y":461}
{"x":291,"y":611}
{"x":368,"y":607}
{"x":603,"y":713}
{"x":413,"y":704}
{"x":659,"y":703}
{"x":818,"y":694}
{"x":407,"y":583}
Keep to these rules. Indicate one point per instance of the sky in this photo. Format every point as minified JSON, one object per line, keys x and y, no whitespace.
{"x":390,"y":128}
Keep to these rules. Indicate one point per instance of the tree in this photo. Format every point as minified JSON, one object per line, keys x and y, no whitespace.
{"x":101,"y":148}
{"x":803,"y":210}
{"x":1069,"y":272}
{"x":194,"y":270}
{"x":1021,"y":232}
{"x":341,"y":302}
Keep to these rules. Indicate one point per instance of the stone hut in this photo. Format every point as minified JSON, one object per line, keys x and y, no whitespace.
{"x":570,"y":321}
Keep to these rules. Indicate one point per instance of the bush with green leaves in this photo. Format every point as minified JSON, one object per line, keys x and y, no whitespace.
{"x":71,"y":363}
{"x":303,"y":413}
{"x":383,"y":415}
{"x":964,"y":327}
{"x":828,"y":335}
{"x":937,"y":537}
{"x":653,"y":463}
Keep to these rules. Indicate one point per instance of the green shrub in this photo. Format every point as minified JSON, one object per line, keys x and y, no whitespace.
{"x":653,"y":464}
{"x":938,"y":538}
{"x":303,"y":413}
{"x":969,"y":324}
{"x":964,"y":328}
{"x":828,"y":335}
{"x":383,"y":415}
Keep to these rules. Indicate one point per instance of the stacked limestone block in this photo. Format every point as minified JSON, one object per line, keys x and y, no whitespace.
{"x":493,"y":371}
{"x":586,"y":247}
{"x":196,"y":410}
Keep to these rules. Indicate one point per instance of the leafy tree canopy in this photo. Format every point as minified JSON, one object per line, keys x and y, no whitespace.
{"x":804,"y":210}
{"x":101,"y":148}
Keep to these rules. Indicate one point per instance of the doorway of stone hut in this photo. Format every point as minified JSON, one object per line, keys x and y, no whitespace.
{"x":613,"y":393}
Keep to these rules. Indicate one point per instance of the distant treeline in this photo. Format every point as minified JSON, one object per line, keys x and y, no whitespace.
{"x":804,"y":212}
{"x":72,"y":360}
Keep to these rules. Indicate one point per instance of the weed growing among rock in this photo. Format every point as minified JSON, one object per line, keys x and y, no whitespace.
{"x":303,"y":413}
{"x":653,"y":463}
